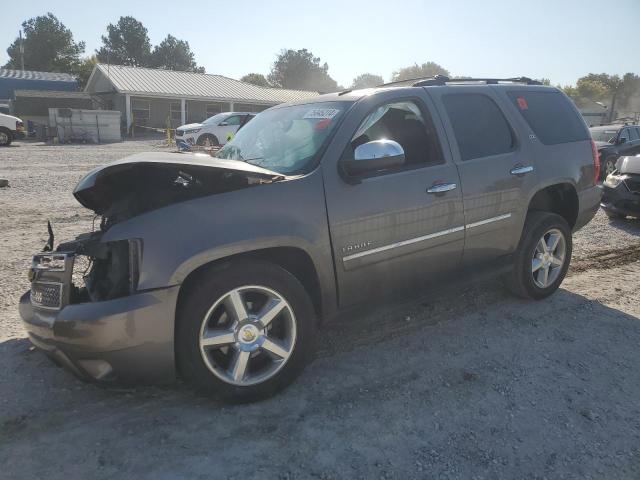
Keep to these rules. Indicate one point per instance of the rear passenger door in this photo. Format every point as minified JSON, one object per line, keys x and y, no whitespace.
{"x":497,"y":172}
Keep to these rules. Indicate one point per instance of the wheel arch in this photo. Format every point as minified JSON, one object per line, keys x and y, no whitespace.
{"x":559,"y":198}
{"x":295,"y":260}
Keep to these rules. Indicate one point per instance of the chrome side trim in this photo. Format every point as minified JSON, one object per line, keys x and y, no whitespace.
{"x":425,"y":237}
{"x":402,"y":243}
{"x":488,"y":220}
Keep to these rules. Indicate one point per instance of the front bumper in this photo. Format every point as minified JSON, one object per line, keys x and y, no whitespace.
{"x":620,"y":200}
{"x":19,"y":134}
{"x":128,"y":339}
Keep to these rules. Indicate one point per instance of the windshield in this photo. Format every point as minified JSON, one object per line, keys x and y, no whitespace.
{"x":603,"y":135}
{"x":285,"y":139}
{"x":215,"y":119}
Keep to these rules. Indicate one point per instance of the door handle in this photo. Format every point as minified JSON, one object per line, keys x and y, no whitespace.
{"x":442,"y":187}
{"x":520,"y":170}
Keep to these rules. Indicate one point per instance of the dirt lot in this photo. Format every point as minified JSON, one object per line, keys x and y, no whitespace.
{"x":471,"y":385}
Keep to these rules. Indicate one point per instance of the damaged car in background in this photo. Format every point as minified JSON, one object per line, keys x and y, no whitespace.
{"x":221,"y":269}
{"x":621,"y":189}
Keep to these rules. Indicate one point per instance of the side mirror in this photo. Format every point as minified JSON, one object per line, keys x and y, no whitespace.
{"x":374,"y":156}
{"x":622,"y":140}
{"x":223,"y":124}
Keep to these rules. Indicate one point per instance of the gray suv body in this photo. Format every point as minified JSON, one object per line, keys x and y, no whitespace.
{"x":222,"y":268}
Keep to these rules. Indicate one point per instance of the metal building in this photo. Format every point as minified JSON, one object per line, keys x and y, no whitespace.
{"x":159,"y":98}
{"x":11,"y":80}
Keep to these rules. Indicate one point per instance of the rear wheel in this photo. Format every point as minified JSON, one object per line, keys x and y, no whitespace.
{"x":6,"y":137}
{"x":208,"y":140}
{"x":543,"y":256}
{"x":245,"y":331}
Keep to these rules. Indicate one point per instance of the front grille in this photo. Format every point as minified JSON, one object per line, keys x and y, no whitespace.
{"x":179,"y":133}
{"x":633,"y":184}
{"x":46,"y":295}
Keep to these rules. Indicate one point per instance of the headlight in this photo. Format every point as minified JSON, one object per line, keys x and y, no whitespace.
{"x":613,"y":180}
{"x":193,"y":130}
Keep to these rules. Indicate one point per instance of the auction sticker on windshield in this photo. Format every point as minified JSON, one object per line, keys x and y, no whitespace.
{"x":320,"y":113}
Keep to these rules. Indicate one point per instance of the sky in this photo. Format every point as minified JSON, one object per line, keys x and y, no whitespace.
{"x":557,"y":39}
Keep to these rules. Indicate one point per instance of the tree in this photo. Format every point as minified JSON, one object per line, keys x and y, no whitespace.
{"x":126,"y":43}
{"x":174,"y":54}
{"x":83,"y":70}
{"x":48,"y":46}
{"x":255,"y":79}
{"x":299,"y":69}
{"x":428,"y":69}
{"x":367,"y":80}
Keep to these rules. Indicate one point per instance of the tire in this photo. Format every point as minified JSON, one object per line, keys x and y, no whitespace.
{"x":6,"y":137}
{"x":608,"y":166}
{"x":207,"y":312}
{"x":212,"y":139}
{"x":522,"y":281}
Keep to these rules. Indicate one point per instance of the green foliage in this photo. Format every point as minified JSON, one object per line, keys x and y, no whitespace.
{"x":126,"y":43}
{"x":83,"y":70}
{"x":367,"y":80}
{"x":428,"y":69}
{"x":256,"y":79}
{"x":48,"y":46}
{"x":299,"y":69}
{"x":174,"y":54}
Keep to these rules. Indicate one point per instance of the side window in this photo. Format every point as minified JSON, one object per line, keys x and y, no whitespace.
{"x":233,"y":120}
{"x":479,"y":125}
{"x":405,"y":123}
{"x":550,"y":115}
{"x":634,"y":134}
{"x":624,"y":134}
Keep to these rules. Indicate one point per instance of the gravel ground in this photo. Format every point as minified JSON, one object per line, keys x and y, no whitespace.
{"x":473,"y":385}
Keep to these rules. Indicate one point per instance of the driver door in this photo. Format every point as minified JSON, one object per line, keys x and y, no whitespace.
{"x":391,"y":231}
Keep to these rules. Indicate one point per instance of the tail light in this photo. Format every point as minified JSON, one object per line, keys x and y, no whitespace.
{"x":596,"y":162}
{"x":19,"y":126}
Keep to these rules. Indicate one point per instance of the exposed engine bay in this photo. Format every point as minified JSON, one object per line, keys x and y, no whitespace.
{"x":88,"y":269}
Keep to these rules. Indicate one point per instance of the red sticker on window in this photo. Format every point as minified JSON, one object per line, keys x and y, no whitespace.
{"x":522,"y":103}
{"x":322,"y":124}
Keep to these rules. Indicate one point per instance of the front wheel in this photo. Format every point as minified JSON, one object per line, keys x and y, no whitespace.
{"x":244,"y":331}
{"x":6,"y":137}
{"x":542,"y":259}
{"x":608,"y":167}
{"x":208,"y":140}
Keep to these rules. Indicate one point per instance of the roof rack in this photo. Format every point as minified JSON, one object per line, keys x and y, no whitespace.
{"x":443,"y":80}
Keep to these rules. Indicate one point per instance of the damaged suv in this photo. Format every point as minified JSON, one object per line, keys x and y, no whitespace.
{"x":221,"y":269}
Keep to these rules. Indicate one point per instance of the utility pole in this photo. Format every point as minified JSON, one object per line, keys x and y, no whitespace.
{"x":21,"y":50}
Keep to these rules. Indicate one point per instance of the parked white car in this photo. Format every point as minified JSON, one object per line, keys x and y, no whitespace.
{"x":10,"y":128}
{"x":214,"y":130}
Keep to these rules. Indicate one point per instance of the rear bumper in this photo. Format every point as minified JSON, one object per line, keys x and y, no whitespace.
{"x":621,"y":200}
{"x":18,"y":134}
{"x":588,"y":204}
{"x":129,"y":339}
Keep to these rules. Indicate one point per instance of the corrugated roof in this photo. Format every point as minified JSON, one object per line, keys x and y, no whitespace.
{"x":30,"y":75}
{"x":50,"y":94}
{"x":169,"y":83}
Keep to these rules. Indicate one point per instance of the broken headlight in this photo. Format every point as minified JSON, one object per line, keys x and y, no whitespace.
{"x":613,"y":180}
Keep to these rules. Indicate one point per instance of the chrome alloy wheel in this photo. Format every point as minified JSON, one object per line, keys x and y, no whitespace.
{"x":248,"y":335}
{"x":548,"y":258}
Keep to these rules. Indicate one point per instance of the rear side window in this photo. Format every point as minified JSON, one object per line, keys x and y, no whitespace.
{"x":634,"y":133}
{"x":479,"y":125}
{"x":550,"y":116}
